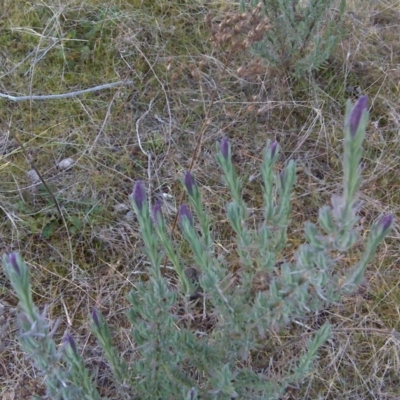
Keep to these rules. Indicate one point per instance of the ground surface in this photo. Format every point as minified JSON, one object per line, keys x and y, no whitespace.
{"x":91,"y":149}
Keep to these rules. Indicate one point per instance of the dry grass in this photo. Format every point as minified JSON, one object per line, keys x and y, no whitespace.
{"x":92,"y":255}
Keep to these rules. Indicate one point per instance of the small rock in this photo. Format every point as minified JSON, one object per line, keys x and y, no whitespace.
{"x":130,"y":216}
{"x":121,"y":207}
{"x":65,"y":164}
{"x":33,"y":176}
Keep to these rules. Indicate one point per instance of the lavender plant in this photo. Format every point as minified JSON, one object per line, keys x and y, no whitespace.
{"x":174,"y":360}
{"x":70,"y":381}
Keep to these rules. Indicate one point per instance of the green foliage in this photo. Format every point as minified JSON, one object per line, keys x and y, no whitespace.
{"x":45,"y":220}
{"x":174,"y":358}
{"x":302,"y":34}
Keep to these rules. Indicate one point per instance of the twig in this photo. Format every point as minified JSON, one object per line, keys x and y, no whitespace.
{"x":53,"y":197}
{"x":33,"y":166}
{"x":104,"y":122}
{"x":146,"y":153}
{"x":65,"y":95}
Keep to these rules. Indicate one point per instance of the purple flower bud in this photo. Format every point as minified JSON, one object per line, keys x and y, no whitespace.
{"x":157,"y":211}
{"x":224,"y":148}
{"x":95,"y":318}
{"x":192,"y":393}
{"x":184,"y":212}
{"x":13,"y":260}
{"x":139,"y":195}
{"x":356,"y":114}
{"x":70,"y":340}
{"x":273,"y":148}
{"x":385,"y":223}
{"x":189,"y":183}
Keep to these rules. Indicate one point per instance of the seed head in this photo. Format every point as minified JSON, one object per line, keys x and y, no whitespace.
{"x":385,"y":223}
{"x":95,"y":318}
{"x":189,"y":183}
{"x":157,"y":211}
{"x":70,"y":340}
{"x":356,"y":114}
{"x":139,"y":195}
{"x":273,"y":148}
{"x":184,"y":213}
{"x":13,"y":260}
{"x":224,"y":148}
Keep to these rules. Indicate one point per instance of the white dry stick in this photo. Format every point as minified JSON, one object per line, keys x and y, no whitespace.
{"x":65,"y":95}
{"x":103,"y":124}
{"x":146,"y":153}
{"x":168,"y":106}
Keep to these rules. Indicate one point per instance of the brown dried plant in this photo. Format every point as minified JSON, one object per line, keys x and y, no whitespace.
{"x":238,"y":32}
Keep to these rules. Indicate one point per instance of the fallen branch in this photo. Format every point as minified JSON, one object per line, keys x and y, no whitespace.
{"x":65,"y":95}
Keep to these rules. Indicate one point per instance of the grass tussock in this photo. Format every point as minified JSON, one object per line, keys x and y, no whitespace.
{"x":187,"y":90}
